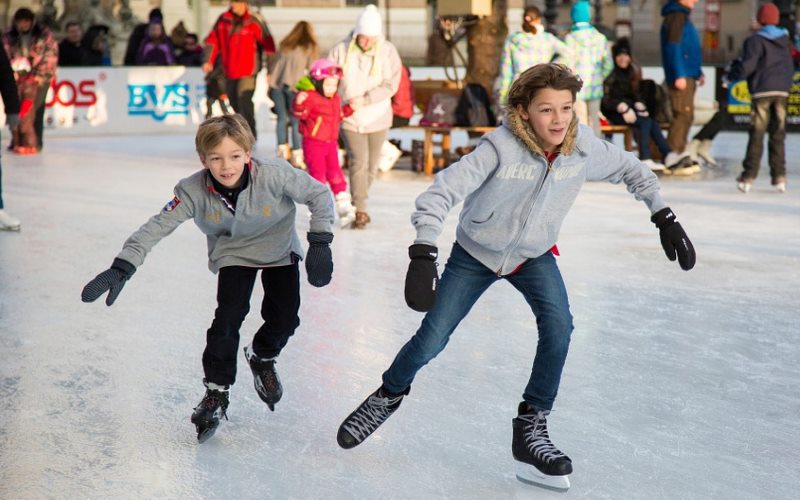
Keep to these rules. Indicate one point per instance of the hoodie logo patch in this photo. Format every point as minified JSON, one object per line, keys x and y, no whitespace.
{"x":172,"y":204}
{"x":567,"y":171}
{"x":267,"y":210}
{"x":524,"y":171}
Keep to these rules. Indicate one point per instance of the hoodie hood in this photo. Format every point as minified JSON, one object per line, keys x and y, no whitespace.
{"x":524,"y":132}
{"x":774,"y":33}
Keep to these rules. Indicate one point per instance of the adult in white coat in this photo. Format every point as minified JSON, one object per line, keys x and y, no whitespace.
{"x":372,"y":71}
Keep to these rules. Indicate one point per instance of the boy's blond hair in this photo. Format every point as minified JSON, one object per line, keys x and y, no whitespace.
{"x":213,"y":130}
{"x":541,"y":76}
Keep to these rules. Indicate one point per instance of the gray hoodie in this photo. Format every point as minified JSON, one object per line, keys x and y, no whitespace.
{"x":261,"y":232}
{"x":514,"y":203}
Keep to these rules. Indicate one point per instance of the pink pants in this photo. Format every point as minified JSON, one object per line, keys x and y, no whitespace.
{"x":322,"y":160}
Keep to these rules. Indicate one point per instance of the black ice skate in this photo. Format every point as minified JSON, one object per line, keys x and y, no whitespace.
{"x":209,"y":411}
{"x":539,"y":462}
{"x":265,"y":378}
{"x":368,"y":417}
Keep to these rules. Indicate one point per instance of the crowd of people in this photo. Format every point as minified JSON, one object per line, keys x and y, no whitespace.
{"x":553,"y":93}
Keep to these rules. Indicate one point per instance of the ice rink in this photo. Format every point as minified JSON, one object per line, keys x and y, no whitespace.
{"x":679,"y":385}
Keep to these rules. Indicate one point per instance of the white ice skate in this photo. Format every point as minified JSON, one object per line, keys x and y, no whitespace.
{"x":389,"y":156}
{"x":9,"y":223}
{"x":345,"y":209}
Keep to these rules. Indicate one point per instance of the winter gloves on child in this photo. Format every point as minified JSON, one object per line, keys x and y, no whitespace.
{"x":319,"y":261}
{"x":422,"y":280}
{"x":111,"y":280}
{"x":673,"y":238}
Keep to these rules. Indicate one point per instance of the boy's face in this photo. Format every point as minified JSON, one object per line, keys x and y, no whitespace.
{"x":329,"y":86}
{"x":549,"y":114}
{"x":226,"y":162}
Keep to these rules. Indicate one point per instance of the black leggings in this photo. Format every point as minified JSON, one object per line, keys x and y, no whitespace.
{"x":279,"y":311}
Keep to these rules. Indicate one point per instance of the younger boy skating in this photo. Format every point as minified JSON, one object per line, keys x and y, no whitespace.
{"x":517,"y":187}
{"x":246,"y":209}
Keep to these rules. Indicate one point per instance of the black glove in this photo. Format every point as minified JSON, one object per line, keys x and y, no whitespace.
{"x":422,"y":280}
{"x":674,"y":239}
{"x":319,"y":261}
{"x":112,"y":279}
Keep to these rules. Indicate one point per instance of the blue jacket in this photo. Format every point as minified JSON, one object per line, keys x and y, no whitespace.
{"x":681,"y":54}
{"x":766,"y":62}
{"x":514,"y":200}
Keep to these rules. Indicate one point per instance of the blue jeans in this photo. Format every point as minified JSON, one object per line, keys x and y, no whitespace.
{"x":283,"y":99}
{"x":464,"y":280}
{"x":646,"y":128}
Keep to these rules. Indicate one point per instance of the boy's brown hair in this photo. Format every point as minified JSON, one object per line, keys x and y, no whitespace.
{"x":550,"y":75}
{"x":213,"y":130}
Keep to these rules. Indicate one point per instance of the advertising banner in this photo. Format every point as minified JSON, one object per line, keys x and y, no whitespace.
{"x":132,"y":100}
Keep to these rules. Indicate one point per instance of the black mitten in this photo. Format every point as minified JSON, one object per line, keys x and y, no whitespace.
{"x":319,"y":261}
{"x":674,"y":239}
{"x":422,"y":279}
{"x":111,"y":280}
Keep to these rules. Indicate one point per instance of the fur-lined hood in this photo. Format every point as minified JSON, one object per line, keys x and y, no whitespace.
{"x":524,"y":132}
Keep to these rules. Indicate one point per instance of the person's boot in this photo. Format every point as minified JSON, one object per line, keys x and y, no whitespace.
{"x":211,"y":409}
{"x":369,"y":415}
{"x":362,"y":219}
{"x":704,"y":152}
{"x":284,"y":152}
{"x":265,"y":378}
{"x":7,"y":222}
{"x":538,"y":460}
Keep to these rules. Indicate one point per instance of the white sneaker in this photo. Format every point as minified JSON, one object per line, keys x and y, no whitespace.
{"x":8,"y":223}
{"x":345,"y":209}
{"x":653,"y":165}
{"x":298,"y":160}
{"x":704,"y":152}
{"x":743,"y":185}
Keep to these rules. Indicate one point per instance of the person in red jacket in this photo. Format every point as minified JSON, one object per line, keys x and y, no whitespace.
{"x":319,"y":110}
{"x":403,"y":100}
{"x":239,"y":37}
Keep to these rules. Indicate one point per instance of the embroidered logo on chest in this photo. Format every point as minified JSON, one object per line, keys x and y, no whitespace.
{"x":267,"y":210}
{"x":567,"y":171}
{"x":214,"y":216}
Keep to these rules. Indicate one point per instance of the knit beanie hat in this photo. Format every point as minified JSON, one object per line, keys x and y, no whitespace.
{"x":581,"y":12}
{"x":621,"y":46}
{"x":369,"y":22}
{"x":768,"y":14}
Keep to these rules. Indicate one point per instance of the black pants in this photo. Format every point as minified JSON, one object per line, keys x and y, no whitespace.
{"x":240,"y":95}
{"x":279,"y":311}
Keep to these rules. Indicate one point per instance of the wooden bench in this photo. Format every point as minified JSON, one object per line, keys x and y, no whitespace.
{"x":441,"y":137}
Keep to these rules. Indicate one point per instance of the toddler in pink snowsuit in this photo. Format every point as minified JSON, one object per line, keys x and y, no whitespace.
{"x":319,"y":111}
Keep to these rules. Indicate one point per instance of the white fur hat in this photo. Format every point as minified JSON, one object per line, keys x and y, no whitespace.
{"x":369,"y":22}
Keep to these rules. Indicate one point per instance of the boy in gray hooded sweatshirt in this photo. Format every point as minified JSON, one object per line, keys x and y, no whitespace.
{"x":517,"y":187}
{"x":246,"y":209}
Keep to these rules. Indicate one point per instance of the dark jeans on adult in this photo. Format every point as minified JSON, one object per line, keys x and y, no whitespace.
{"x":240,"y":94}
{"x":365,"y":153}
{"x":464,"y":280}
{"x":278,"y":309}
{"x":682,"y":102}
{"x":713,"y":126}
{"x":768,"y":116}
{"x":645,"y":128}
{"x":283,"y":98}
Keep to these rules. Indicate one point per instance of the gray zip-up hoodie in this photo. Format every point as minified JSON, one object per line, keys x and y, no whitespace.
{"x":514,"y":202}
{"x":260,"y":232}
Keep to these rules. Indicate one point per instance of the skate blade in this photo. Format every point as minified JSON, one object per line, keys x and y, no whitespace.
{"x":10,"y":229}
{"x":204,"y":435}
{"x":529,"y":474}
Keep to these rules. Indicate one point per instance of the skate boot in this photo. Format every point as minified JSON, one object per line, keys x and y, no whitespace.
{"x":744,"y":184}
{"x":345,"y":209}
{"x":298,"y":159}
{"x":361,"y":220}
{"x":368,"y":417}
{"x":284,"y":152}
{"x":681,"y":164}
{"x":778,"y":183}
{"x":704,"y":152}
{"x":210,"y":410}
{"x":265,"y":378}
{"x":7,"y":222}
{"x":539,"y":462}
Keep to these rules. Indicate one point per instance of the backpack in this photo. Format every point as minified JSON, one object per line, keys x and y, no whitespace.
{"x":440,"y":111}
{"x":656,"y":98}
{"x":474,"y":109}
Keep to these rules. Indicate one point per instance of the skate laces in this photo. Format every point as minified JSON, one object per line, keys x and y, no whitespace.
{"x":213,"y":400}
{"x":371,"y":415}
{"x":536,"y":438}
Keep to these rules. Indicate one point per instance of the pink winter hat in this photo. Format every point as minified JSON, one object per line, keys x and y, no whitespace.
{"x":369,"y":22}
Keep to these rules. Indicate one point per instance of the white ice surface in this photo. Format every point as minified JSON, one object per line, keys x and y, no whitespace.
{"x":678,"y":385}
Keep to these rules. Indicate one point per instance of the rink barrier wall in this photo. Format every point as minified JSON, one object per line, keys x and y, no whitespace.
{"x":154,"y":100}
